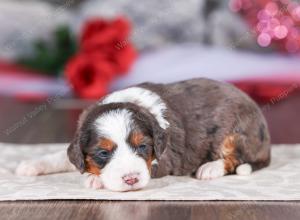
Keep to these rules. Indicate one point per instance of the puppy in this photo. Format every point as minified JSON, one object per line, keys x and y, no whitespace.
{"x":197,"y":127}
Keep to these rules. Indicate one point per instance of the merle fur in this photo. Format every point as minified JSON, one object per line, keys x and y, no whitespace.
{"x":201,"y":114}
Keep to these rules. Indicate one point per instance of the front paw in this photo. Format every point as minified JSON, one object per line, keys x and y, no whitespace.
{"x":93,"y":182}
{"x":211,"y":170}
{"x":30,"y":168}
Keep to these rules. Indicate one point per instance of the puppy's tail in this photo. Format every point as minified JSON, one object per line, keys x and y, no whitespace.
{"x":50,"y":163}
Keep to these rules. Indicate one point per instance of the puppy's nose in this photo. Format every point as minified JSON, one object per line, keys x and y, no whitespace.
{"x":131,"y":178}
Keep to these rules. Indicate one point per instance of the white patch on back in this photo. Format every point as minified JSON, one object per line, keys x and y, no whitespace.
{"x":144,"y":98}
{"x":116,"y":125}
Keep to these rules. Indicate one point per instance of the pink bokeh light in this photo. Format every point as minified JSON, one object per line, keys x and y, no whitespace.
{"x":264,"y":39}
{"x":296,"y":13}
{"x":280,"y":31}
{"x":271,"y":8}
{"x":235,"y":5}
{"x":274,"y":21}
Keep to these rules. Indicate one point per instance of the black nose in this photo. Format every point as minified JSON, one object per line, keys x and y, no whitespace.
{"x":131,"y":179}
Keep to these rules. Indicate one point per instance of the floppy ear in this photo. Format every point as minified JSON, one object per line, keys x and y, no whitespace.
{"x":159,"y":135}
{"x":160,"y":139}
{"x":75,"y":154}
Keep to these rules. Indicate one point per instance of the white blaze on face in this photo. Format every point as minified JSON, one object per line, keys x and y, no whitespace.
{"x":116,"y":125}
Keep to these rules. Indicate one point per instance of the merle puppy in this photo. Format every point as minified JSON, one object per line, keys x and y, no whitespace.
{"x":199,"y":127}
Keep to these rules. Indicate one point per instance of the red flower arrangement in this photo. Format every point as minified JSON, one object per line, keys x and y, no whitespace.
{"x":105,"y":53}
{"x":274,"y":22}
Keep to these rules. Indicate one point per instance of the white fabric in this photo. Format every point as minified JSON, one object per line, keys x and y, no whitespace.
{"x":280,"y":181}
{"x":31,"y":85}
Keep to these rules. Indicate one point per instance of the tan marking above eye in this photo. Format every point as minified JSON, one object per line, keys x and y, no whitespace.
{"x":136,"y":138}
{"x":106,"y":144}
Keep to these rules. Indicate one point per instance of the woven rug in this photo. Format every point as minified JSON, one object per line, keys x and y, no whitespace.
{"x":280,"y":181}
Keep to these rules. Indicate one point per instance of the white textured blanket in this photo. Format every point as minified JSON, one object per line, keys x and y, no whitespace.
{"x":280,"y":181}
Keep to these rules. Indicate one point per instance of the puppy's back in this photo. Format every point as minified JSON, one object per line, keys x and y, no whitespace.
{"x":212,"y":112}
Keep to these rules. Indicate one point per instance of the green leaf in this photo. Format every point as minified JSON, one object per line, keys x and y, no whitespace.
{"x":50,"y":58}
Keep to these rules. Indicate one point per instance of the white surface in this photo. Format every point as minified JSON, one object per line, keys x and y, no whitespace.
{"x":189,"y":61}
{"x":11,"y":85}
{"x":280,"y":181}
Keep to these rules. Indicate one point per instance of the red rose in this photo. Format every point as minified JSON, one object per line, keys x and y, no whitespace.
{"x":99,"y":32}
{"x":105,"y":52}
{"x":112,"y":39}
{"x":89,"y":75}
{"x":123,"y":58}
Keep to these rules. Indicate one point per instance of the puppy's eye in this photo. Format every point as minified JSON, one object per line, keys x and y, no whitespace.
{"x":103,"y":154}
{"x":142,"y":148}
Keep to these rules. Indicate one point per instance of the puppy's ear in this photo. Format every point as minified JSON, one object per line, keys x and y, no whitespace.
{"x":160,"y":139}
{"x":75,"y":154}
{"x":159,"y":135}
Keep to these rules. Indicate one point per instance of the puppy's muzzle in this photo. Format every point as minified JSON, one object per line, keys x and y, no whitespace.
{"x":131,"y":178}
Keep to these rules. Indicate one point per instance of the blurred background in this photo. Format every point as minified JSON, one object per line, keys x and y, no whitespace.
{"x":59,"y":56}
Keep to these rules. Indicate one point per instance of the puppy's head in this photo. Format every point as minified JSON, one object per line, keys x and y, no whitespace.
{"x":118,"y":142}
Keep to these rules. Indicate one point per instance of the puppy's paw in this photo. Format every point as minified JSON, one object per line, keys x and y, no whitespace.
{"x":93,"y":182}
{"x":30,"y":168}
{"x":211,"y":170}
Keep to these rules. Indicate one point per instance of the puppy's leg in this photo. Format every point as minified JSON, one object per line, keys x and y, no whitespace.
{"x":51,"y":163}
{"x":229,"y":162}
